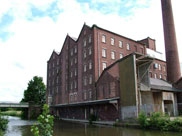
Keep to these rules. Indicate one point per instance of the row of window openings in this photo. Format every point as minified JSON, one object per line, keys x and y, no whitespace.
{"x":113,"y":42}
{"x":155,"y":76}
{"x":75,"y":51}
{"x":73,"y":96}
{"x":85,"y":94}
{"x":57,"y":81}
{"x":71,"y":74}
{"x":85,"y":80}
{"x":85,"y":66}
{"x":89,"y":40}
{"x":72,"y":61}
{"x":75,"y":85}
{"x":53,"y":64}
{"x":53,"y":91}
{"x":113,"y":54}
{"x":57,"y":71}
{"x":158,"y":66}
{"x":89,"y":52}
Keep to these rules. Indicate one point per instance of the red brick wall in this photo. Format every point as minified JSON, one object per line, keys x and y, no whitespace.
{"x":108,"y":84}
{"x":156,"y":70}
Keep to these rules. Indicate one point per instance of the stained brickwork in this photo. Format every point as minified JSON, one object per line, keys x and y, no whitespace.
{"x":72,"y":74}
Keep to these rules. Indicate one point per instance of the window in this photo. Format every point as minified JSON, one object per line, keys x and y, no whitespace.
{"x":75,"y":72}
{"x":58,"y":62}
{"x":128,"y":46}
{"x":71,"y":52}
{"x":90,"y":51}
{"x":90,"y":94}
{"x":57,"y":70}
{"x":103,"y":38}
{"x":71,"y":86}
{"x":160,"y":76}
{"x":164,"y":68}
{"x":120,"y":44}
{"x":53,"y":64}
{"x":84,"y":54}
{"x":75,"y":60}
{"x":104,"y":65}
{"x":112,"y":55}
{"x":155,"y":75}
{"x":75,"y":95}
{"x":66,"y":87}
{"x":90,"y":65}
{"x":103,"y":52}
{"x":75,"y":49}
{"x":90,"y":79}
{"x":120,"y":55}
{"x":84,"y":67}
{"x":159,"y":66}
{"x":71,"y":62}
{"x":84,"y":43}
{"x":155,"y":65}
{"x":71,"y":74}
{"x":57,"y":80}
{"x":90,"y":38}
{"x":85,"y":81}
{"x":75,"y":84}
{"x":112,"y":41}
{"x":71,"y":97}
{"x":85,"y":95}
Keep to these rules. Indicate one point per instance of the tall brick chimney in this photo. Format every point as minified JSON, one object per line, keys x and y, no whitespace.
{"x":172,"y":59}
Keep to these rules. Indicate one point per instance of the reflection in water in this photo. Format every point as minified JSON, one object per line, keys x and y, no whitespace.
{"x":18,"y":127}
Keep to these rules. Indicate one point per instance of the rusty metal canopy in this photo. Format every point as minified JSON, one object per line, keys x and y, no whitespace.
{"x":86,"y":103}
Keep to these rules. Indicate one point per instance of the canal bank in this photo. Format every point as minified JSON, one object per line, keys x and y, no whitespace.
{"x":18,"y":127}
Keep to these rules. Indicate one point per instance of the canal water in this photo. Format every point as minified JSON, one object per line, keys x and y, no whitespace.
{"x":18,"y":127}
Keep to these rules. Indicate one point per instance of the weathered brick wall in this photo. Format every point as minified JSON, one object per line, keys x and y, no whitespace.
{"x":102,"y":112}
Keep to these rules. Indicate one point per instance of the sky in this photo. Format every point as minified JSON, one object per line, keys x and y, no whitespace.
{"x":31,"y":29}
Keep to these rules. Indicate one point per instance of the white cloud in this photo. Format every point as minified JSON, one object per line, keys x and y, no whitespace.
{"x":33,"y":41}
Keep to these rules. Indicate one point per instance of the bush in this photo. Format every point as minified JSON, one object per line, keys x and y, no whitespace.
{"x":3,"y":123}
{"x":92,"y":117}
{"x":157,"y":121}
{"x":142,"y":119}
{"x":45,"y":123}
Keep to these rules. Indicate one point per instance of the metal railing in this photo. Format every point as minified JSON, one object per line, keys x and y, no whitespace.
{"x":14,"y":105}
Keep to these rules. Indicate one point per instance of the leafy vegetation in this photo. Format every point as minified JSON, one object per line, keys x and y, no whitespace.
{"x":157,"y":121}
{"x":92,"y":118}
{"x":44,"y":127}
{"x":11,"y":113}
{"x":3,"y":124}
{"x":35,"y":92}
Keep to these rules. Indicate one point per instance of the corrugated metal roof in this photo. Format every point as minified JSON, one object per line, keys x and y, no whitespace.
{"x":157,"y":84}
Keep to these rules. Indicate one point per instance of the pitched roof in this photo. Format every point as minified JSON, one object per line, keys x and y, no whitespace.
{"x":162,"y":85}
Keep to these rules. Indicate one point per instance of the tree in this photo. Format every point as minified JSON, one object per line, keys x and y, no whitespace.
{"x":35,"y":92}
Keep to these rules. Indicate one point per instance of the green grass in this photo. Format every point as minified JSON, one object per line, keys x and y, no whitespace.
{"x":11,"y":113}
